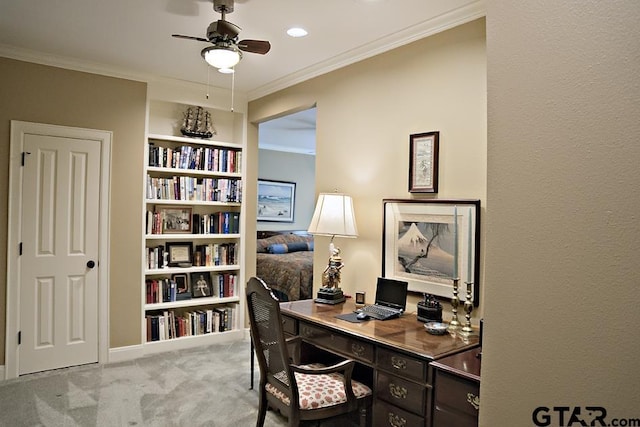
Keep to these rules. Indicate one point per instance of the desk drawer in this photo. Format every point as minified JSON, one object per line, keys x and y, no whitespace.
{"x":386,"y":415}
{"x":337,"y":342}
{"x":456,"y":394}
{"x":289,"y":325}
{"x":405,"y":394}
{"x":404,"y":366}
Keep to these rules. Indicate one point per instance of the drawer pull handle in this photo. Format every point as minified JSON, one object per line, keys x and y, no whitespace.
{"x":357,"y":349}
{"x":473,"y":400}
{"x":307,"y":332}
{"x":397,"y":391}
{"x":398,"y":363}
{"x":396,"y":420}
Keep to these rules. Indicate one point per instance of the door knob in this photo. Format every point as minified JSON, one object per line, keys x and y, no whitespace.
{"x":91,"y":263}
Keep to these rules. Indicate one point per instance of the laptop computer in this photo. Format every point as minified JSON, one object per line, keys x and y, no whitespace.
{"x":391,"y":299}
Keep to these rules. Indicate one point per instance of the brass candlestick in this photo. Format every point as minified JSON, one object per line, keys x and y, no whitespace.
{"x":468,"y":308}
{"x":455,"y":301}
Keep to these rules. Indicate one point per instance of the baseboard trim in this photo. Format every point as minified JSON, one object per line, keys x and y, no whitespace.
{"x":123,"y":354}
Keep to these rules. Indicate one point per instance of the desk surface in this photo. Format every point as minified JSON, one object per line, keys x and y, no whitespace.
{"x":405,"y":333}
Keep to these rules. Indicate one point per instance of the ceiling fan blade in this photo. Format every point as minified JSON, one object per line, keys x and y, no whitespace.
{"x":254,"y":46}
{"x":180,"y":36}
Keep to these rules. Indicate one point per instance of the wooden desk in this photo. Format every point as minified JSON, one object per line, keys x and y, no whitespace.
{"x":393,"y":355}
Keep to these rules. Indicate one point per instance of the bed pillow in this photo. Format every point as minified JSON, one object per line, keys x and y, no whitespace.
{"x":283,"y":248}
{"x":263,"y":244}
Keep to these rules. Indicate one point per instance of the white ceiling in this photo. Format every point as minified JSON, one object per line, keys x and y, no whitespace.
{"x":132,"y":38}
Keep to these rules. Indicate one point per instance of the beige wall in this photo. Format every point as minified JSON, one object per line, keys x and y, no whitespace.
{"x":365,"y":114}
{"x":43,"y":94}
{"x":562,"y":271}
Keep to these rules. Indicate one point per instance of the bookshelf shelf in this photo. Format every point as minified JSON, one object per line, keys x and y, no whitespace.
{"x":191,"y":172}
{"x":217,"y":236}
{"x":194,"y":269}
{"x":199,"y":181}
{"x":190,"y":203}
{"x":193,"y":302}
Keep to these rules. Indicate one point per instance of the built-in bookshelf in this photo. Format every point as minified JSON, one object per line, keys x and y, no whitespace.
{"x":192,"y":284}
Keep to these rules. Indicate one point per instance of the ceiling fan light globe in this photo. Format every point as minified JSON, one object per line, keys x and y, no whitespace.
{"x":221,"y":57}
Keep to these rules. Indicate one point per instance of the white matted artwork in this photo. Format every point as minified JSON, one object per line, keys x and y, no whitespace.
{"x":276,"y":200}
{"x":429,"y":242}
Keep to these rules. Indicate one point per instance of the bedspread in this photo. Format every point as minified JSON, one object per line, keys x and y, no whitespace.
{"x":290,"y":275}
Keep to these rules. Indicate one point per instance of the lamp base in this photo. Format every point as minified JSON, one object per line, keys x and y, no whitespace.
{"x":330,"y":296}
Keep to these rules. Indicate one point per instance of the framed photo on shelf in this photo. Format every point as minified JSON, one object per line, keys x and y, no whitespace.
{"x":423,"y":162}
{"x":183,"y":289}
{"x":429,"y":242}
{"x":180,"y":254}
{"x":276,"y":200}
{"x":176,"y":219}
{"x":201,"y":285}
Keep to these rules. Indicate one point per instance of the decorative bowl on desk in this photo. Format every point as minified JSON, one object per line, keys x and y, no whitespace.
{"x":436,"y":328}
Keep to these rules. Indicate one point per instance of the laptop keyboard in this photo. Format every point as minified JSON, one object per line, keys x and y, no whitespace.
{"x":379,"y":312}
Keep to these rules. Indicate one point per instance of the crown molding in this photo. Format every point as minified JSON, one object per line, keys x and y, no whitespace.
{"x":433,"y":26}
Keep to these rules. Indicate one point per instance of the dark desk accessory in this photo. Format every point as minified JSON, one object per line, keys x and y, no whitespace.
{"x":429,"y":309}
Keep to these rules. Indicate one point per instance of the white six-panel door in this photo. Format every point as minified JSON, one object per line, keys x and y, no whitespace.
{"x":58,"y":228}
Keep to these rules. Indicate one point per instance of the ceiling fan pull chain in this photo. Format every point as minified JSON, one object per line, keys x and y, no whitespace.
{"x":208,"y":74}
{"x":233,"y":86}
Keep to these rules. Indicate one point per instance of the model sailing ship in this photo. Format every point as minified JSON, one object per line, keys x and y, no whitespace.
{"x":197,"y":123}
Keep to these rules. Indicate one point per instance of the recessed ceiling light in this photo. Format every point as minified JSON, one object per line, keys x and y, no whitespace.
{"x":226,"y":70}
{"x":297,"y":32}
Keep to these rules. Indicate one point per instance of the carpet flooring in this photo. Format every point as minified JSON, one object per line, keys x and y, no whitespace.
{"x":204,"y":386}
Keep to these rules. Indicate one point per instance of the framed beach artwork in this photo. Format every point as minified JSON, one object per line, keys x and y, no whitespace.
{"x":276,"y":200}
{"x":429,"y":242}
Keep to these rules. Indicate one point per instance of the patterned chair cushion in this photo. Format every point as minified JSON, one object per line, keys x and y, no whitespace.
{"x":320,"y":391}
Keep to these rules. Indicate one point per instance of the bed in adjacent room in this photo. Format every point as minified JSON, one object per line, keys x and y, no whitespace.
{"x":285,"y":263}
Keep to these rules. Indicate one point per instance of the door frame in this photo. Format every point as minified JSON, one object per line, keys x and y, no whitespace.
{"x":18,"y":130}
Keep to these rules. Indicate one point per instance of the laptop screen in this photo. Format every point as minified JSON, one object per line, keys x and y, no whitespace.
{"x":391,"y":293}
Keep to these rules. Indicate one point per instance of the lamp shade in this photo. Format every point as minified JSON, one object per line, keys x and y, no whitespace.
{"x":334,"y":216}
{"x":221,"y":56}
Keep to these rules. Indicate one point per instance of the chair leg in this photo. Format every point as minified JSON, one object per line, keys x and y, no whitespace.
{"x":262,"y":409}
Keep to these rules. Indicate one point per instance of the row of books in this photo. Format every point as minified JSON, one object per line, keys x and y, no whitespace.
{"x":217,"y":223}
{"x":160,"y":222}
{"x":197,"y":158}
{"x":189,"y":188}
{"x":205,"y":255}
{"x":182,"y":287}
{"x":211,"y":254}
{"x":170,"y":325}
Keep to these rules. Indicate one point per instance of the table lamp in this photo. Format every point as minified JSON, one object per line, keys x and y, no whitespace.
{"x":333,"y":217}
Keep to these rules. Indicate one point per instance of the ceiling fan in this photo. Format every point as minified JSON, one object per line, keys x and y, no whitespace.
{"x":227,"y":50}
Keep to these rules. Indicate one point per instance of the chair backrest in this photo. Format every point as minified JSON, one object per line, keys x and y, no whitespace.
{"x":268,"y":336}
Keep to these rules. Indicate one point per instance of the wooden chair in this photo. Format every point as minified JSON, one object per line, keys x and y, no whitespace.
{"x":300,"y":392}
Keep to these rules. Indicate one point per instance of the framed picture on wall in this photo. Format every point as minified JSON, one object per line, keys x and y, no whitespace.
{"x":423,"y":162}
{"x":428,"y":243}
{"x":276,"y":200}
